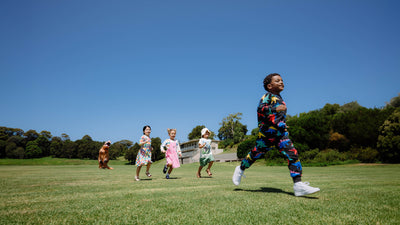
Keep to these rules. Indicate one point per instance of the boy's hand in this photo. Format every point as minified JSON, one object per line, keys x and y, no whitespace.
{"x":281,"y":108}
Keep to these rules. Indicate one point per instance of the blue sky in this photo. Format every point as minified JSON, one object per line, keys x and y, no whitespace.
{"x":107,"y":68}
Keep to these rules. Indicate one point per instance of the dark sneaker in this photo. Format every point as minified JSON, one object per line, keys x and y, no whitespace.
{"x":165,"y":169}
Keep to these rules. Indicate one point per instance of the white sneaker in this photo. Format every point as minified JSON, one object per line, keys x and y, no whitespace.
{"x":303,"y":188}
{"x":237,"y":175}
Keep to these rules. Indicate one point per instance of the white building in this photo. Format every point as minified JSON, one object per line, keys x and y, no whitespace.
{"x":191,"y":152}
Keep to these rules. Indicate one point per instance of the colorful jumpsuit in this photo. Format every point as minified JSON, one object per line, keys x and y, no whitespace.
{"x":273,"y":133}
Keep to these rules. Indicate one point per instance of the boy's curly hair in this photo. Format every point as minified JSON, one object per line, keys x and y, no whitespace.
{"x":268,"y":79}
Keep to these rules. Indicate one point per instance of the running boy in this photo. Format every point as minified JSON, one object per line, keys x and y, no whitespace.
{"x":271,"y":113}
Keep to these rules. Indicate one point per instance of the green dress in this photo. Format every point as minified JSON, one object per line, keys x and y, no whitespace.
{"x":206,"y":155}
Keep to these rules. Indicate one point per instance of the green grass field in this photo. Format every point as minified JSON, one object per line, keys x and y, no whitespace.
{"x":84,"y":194}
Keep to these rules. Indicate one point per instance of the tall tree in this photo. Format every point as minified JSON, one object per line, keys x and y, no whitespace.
{"x":56,"y":147}
{"x":394,"y":102}
{"x":65,"y":137}
{"x":156,"y":152}
{"x":196,"y":133}
{"x":46,"y":134}
{"x":31,"y":135}
{"x":33,"y":150}
{"x":389,"y":139}
{"x":231,"y":128}
{"x":132,"y":152}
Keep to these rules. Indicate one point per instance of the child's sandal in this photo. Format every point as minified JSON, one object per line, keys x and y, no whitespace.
{"x":209,"y":172}
{"x":148,"y":174}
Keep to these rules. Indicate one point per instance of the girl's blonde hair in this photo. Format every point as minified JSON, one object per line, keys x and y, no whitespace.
{"x":169,"y":130}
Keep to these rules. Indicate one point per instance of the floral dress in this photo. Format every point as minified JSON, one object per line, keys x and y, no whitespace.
{"x":144,"y":155}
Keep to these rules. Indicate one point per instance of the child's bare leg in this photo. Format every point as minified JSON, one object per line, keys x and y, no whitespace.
{"x":138,"y":171}
{"x":148,"y":167}
{"x":170,"y":169}
{"x":209,"y":167}
{"x":198,"y":172}
{"x":147,"y":170}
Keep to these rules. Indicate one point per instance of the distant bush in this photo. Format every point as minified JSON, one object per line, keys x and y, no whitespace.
{"x":245,"y":147}
{"x":225,"y":143}
{"x":365,"y":155}
{"x":309,"y":155}
{"x":330,"y":155}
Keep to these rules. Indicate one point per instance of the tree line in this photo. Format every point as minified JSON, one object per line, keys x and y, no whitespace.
{"x":15,"y":143}
{"x":333,"y":133}
{"x":341,"y":133}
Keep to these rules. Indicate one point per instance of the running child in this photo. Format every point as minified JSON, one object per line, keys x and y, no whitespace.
{"x":144,"y":155}
{"x":206,"y":156}
{"x":273,"y":132}
{"x":171,"y":149}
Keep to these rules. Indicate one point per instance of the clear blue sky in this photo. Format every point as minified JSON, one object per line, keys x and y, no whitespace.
{"x":107,"y":68}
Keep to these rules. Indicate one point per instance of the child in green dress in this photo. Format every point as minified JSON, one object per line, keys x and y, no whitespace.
{"x":206,"y":156}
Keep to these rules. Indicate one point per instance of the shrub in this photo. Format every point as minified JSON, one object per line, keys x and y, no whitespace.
{"x":309,"y":155}
{"x":225,"y":143}
{"x":365,"y":155}
{"x":329,"y":155}
{"x":245,"y":147}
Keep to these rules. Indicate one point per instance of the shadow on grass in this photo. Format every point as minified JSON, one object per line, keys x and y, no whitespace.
{"x":146,"y":179}
{"x":273,"y":190}
{"x":173,"y":178}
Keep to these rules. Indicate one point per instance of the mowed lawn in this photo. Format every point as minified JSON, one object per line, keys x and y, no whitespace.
{"x":84,"y":194}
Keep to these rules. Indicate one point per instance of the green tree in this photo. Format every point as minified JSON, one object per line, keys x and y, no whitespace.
{"x":156,"y":153}
{"x":351,"y":106}
{"x":46,"y":134}
{"x":19,"y":153}
{"x":33,"y":150}
{"x":3,"y":145}
{"x":44,"y":144}
{"x":255,"y":131}
{"x":231,"y":128}
{"x":87,"y":148}
{"x":10,"y":148}
{"x":132,"y":152}
{"x":56,"y":147}
{"x":6,"y":132}
{"x":360,"y":126}
{"x":394,"y":102}
{"x":18,"y":140}
{"x":65,"y":137}
{"x":31,"y":135}
{"x":389,"y":139}
{"x":70,"y":150}
{"x":119,"y":148}
{"x":196,"y":133}
{"x":310,"y":129}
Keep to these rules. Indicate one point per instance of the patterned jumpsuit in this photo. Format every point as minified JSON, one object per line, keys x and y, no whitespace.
{"x":273,"y":133}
